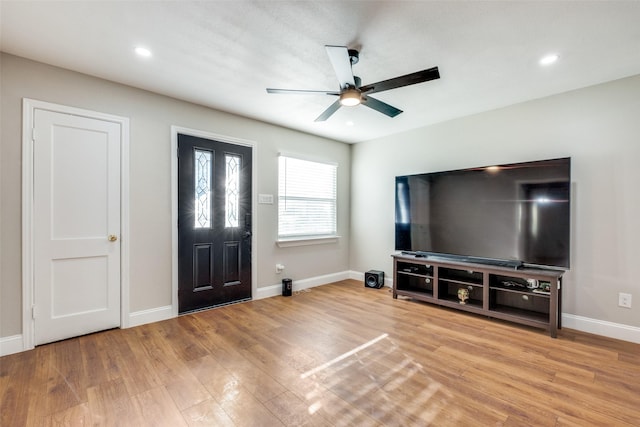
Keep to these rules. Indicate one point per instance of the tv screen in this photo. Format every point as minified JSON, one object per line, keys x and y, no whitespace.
{"x":517,"y":214}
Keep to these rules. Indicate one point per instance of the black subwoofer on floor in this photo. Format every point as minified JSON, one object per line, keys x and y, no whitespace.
{"x":374,"y":279}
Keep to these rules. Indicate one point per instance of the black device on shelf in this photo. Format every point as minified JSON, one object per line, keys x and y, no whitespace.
{"x":511,"y":215}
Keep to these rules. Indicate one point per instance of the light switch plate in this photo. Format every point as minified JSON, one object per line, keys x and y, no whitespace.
{"x":265,"y":199}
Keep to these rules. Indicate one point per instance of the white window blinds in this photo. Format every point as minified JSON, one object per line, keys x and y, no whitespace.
{"x":306,"y":198}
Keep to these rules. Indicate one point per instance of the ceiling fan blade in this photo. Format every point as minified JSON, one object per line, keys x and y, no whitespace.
{"x":380,"y":106}
{"x":409,"y":79}
{"x":339,"y":57}
{"x":302,"y":92}
{"x":329,"y":111}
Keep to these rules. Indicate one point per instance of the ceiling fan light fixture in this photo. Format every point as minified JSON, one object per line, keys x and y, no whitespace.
{"x":350,"y":98}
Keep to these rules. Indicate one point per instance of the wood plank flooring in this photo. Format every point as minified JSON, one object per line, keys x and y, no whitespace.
{"x":339,"y":355}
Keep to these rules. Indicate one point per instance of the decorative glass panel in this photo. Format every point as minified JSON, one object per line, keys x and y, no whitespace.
{"x":232,"y":188}
{"x":202,"y":186}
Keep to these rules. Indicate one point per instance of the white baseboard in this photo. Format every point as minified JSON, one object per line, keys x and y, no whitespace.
{"x":151,"y":315}
{"x":298,"y":285}
{"x":601,"y":327}
{"x":356,"y":275}
{"x":11,"y":344}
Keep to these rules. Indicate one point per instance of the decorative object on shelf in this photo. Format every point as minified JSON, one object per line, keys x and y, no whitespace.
{"x":463,"y":295}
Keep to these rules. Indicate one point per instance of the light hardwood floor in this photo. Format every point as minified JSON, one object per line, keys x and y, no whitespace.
{"x":339,"y":355}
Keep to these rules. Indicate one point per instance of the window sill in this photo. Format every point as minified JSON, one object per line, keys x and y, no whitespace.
{"x":306,"y":241}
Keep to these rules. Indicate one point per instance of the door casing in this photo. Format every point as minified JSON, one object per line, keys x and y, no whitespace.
{"x":175,"y":130}
{"x":28,"y":262}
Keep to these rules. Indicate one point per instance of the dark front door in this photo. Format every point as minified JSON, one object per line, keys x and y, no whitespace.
{"x":214,"y":223}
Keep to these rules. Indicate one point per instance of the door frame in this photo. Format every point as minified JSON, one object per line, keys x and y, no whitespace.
{"x":28,"y":261}
{"x":175,"y":130}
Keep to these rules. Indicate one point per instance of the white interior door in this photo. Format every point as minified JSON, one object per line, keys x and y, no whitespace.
{"x":76,"y":225}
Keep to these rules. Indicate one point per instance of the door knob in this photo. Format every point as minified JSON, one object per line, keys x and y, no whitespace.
{"x":112,"y":237}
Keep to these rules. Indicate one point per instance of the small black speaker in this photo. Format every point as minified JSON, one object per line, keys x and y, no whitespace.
{"x":287,"y":287}
{"x":374,"y":279}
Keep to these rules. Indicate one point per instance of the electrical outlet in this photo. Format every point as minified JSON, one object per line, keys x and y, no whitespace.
{"x":624,"y":300}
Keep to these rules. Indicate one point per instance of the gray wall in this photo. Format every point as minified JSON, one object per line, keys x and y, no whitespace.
{"x":598,"y":127}
{"x":151,"y":117}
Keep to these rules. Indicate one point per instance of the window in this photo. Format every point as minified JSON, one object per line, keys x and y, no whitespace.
{"x":306,"y":199}
{"x":202,"y":185}
{"x":232,"y":190}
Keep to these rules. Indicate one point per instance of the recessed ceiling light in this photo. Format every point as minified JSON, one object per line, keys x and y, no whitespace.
{"x":549,"y":59}
{"x":349,"y":123}
{"x":143,"y":51}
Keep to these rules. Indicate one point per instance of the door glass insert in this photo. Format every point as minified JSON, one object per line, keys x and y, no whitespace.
{"x":202,"y":175}
{"x":232,"y":189}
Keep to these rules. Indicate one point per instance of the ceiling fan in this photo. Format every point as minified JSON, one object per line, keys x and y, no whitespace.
{"x":351,"y":92}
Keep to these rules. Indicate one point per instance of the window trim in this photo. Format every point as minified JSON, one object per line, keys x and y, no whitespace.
{"x":306,"y":241}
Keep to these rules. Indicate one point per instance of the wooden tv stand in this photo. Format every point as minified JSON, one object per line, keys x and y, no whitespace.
{"x":494,"y":291}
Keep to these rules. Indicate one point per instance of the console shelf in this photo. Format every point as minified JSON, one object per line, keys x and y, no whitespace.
{"x":527,"y":296}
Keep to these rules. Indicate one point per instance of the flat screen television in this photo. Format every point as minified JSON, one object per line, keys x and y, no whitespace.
{"x":513,"y":214}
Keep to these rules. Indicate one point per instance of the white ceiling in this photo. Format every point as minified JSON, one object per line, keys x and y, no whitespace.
{"x":223,"y":54}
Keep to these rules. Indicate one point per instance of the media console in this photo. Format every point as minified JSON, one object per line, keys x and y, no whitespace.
{"x":527,"y":296}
